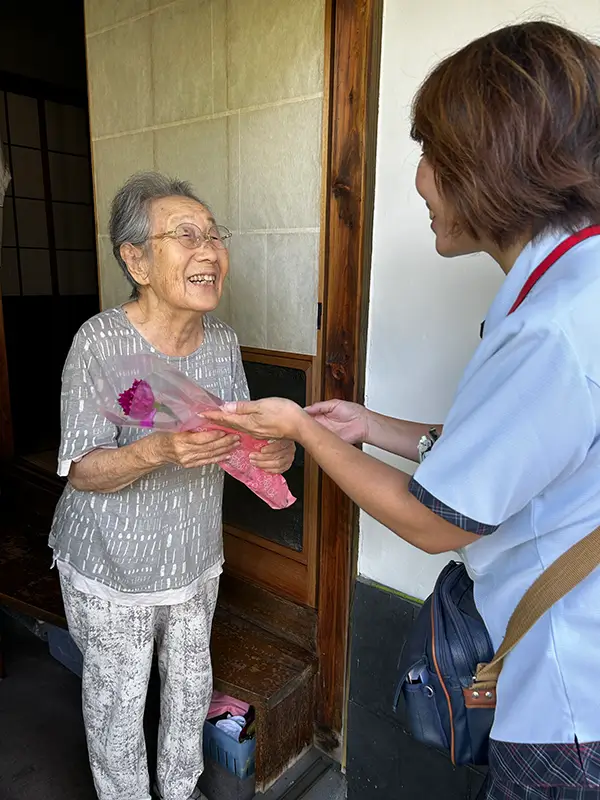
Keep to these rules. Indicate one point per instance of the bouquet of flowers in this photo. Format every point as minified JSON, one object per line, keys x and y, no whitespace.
{"x":143,"y":391}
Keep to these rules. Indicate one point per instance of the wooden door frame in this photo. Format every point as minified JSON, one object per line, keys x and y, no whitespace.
{"x":352,"y":58}
{"x":289,"y":573}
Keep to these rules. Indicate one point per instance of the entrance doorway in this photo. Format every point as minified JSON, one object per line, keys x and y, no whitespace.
{"x":48,"y":273}
{"x":309,"y":559}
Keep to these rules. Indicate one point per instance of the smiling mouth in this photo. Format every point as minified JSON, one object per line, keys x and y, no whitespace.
{"x":203,"y":279}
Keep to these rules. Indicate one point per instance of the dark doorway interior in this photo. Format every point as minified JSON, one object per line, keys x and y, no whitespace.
{"x":48,"y":274}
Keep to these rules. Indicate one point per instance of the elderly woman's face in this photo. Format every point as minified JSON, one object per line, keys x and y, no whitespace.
{"x":447,"y":242}
{"x":184,"y":278}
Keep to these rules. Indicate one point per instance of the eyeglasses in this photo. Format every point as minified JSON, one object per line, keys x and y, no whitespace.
{"x":190,"y":236}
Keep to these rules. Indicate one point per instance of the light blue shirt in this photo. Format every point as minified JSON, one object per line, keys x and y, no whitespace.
{"x":520,"y":450}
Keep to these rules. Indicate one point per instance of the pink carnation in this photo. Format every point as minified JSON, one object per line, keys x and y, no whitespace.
{"x":138,"y":402}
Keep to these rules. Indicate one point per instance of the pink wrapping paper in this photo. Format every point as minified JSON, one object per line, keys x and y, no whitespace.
{"x":144,"y":391}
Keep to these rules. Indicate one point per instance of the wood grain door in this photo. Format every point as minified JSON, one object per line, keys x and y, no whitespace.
{"x":276,"y":549}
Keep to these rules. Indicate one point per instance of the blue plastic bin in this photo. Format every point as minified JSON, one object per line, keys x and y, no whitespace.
{"x":63,"y":649}
{"x":237,"y":757}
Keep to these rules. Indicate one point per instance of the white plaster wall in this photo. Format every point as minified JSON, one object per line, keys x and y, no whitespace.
{"x":425,"y":311}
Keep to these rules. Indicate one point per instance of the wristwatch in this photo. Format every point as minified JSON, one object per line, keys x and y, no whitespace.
{"x":426,"y":443}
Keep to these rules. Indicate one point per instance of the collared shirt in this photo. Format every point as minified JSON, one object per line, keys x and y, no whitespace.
{"x":520,"y":457}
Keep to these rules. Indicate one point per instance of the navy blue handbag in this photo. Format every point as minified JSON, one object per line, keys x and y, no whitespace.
{"x":448,"y":668}
{"x":439,"y":660}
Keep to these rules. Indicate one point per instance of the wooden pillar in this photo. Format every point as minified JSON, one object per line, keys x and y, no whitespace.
{"x":353,"y":42}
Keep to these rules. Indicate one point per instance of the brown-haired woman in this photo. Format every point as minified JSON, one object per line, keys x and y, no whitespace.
{"x":510,"y":131}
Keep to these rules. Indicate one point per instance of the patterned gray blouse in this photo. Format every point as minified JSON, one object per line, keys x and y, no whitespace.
{"x":163,"y":531}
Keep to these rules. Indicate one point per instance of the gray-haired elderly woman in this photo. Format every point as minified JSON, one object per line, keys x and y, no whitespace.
{"x":137,"y":533}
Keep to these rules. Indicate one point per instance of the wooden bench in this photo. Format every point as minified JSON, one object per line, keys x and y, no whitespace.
{"x":263,"y":647}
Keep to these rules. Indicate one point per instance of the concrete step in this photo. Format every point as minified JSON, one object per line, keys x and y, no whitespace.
{"x":314,"y":777}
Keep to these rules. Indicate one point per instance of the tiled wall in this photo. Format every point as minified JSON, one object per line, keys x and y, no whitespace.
{"x":227,"y":94}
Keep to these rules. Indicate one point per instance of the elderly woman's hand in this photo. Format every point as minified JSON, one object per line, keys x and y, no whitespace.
{"x":197,"y":449}
{"x":275,"y":457}
{"x":273,"y":418}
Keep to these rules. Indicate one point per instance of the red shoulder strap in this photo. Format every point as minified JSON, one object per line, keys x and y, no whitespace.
{"x":552,"y":258}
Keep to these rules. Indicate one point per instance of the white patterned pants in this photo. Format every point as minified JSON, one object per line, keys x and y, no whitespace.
{"x":117,"y":643}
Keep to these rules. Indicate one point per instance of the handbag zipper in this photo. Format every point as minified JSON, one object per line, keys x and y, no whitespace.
{"x":462,"y":630}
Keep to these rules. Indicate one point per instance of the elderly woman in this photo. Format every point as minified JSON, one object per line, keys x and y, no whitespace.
{"x":511,"y":167}
{"x":137,"y":533}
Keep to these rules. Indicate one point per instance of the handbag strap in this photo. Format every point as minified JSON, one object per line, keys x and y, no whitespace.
{"x":552,"y":585}
{"x":573,"y":566}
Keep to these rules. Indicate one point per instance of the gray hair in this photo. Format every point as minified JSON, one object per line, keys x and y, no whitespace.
{"x":130,"y":221}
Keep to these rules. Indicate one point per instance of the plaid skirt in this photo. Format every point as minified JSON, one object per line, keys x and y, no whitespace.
{"x":543,"y":772}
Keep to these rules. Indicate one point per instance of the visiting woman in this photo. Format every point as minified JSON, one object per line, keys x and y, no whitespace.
{"x":137,"y":534}
{"x":510,"y":133}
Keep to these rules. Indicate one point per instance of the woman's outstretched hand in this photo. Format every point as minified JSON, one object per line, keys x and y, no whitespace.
{"x":276,"y":457}
{"x":349,"y":421}
{"x":273,"y":418}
